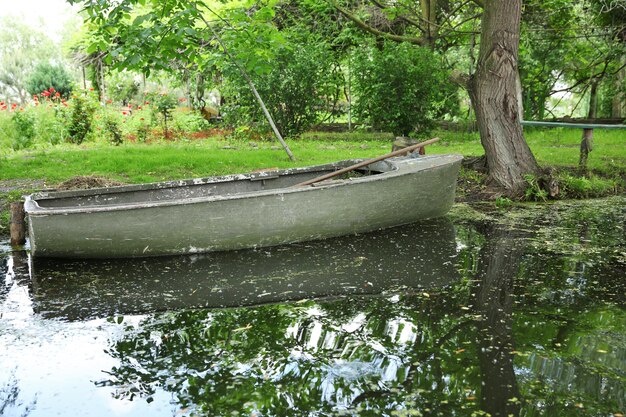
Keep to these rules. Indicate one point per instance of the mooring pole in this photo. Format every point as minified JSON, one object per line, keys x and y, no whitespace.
{"x":18,"y":224}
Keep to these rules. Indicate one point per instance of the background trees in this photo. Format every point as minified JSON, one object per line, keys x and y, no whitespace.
{"x":394,"y":66}
{"x":46,"y":76}
{"x":21,"y":49}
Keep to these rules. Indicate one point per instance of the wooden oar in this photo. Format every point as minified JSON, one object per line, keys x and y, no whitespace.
{"x":368,"y":162}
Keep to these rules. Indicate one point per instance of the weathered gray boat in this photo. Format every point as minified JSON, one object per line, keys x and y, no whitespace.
{"x":238,"y":211}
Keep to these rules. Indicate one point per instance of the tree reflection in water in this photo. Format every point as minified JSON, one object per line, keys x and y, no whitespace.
{"x":490,"y":344}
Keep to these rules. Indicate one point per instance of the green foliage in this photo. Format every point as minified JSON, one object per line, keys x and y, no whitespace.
{"x":503,"y":202}
{"x":163,"y":104}
{"x":114,"y":132}
{"x":190,"y":121}
{"x":588,"y":187}
{"x":50,"y":78}
{"x":51,"y":123}
{"x":398,"y":87}
{"x":80,"y":118}
{"x":21,"y":49}
{"x":534,"y":191}
{"x":123,"y":88}
{"x":24,"y":123}
{"x":300,"y":88}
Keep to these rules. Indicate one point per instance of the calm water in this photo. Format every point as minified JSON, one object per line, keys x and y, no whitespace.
{"x":506,"y":313}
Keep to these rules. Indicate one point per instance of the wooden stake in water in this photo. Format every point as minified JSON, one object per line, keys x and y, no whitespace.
{"x":18,"y":224}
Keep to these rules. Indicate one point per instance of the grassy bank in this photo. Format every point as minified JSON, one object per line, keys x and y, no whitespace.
{"x":24,"y":171}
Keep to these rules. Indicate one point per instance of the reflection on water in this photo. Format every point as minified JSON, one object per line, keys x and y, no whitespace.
{"x":518,"y":314}
{"x":416,"y":256}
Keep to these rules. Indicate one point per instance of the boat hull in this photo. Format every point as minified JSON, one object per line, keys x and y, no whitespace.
{"x":415,"y":189}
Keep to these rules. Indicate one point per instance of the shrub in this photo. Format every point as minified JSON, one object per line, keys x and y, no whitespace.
{"x":113,"y":130}
{"x":299,"y":89}
{"x":190,"y":121}
{"x":80,"y":119}
{"x":24,"y":123}
{"x":46,"y":76}
{"x":163,"y":104}
{"x":400,"y":88}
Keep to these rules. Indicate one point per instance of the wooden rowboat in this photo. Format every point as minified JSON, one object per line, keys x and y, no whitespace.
{"x":239,"y":211}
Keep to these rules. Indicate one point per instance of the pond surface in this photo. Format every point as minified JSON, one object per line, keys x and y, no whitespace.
{"x":504,"y":313}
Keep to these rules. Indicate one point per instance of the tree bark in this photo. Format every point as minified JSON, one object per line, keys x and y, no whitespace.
{"x":429,"y":18}
{"x":586,"y":144}
{"x":494,"y":93}
{"x":618,"y":104}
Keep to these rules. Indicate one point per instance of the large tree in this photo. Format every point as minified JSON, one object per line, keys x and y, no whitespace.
{"x":493,"y":83}
{"x":21,"y":49}
{"x":495,"y":90}
{"x":150,"y":33}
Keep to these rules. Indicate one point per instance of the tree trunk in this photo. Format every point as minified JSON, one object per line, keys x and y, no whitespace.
{"x":618,"y":104}
{"x":586,"y":144}
{"x":494,"y":93}
{"x":429,"y":18}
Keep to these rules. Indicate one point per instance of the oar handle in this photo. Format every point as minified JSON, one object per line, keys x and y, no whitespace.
{"x":367,"y":162}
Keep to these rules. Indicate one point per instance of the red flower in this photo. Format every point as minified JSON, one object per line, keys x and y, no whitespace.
{"x":46,"y":94}
{"x":124,"y":113}
{"x":51,"y":89}
{"x":57,"y":94}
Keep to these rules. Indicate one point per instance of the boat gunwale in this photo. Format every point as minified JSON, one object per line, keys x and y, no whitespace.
{"x":33,"y":209}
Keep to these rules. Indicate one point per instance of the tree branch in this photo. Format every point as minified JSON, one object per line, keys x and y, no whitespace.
{"x":364,"y":26}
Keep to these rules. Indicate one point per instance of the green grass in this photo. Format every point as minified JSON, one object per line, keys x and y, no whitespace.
{"x":134,"y":163}
{"x":557,"y":147}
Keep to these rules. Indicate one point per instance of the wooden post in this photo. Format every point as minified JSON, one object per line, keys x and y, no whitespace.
{"x":18,"y":225}
{"x":586,"y":146}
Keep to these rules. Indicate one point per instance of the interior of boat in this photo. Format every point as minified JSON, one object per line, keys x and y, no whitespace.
{"x":187,"y":189}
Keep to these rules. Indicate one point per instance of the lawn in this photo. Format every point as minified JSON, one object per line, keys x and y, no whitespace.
{"x":134,"y":163}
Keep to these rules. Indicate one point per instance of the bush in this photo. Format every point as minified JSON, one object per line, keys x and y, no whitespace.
{"x":300,"y":87}
{"x":400,"y":88}
{"x":51,"y":124}
{"x":24,"y":123}
{"x":113,"y":131}
{"x":190,"y":121}
{"x":46,"y":76}
{"x":163,"y":104}
{"x":80,"y":119}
